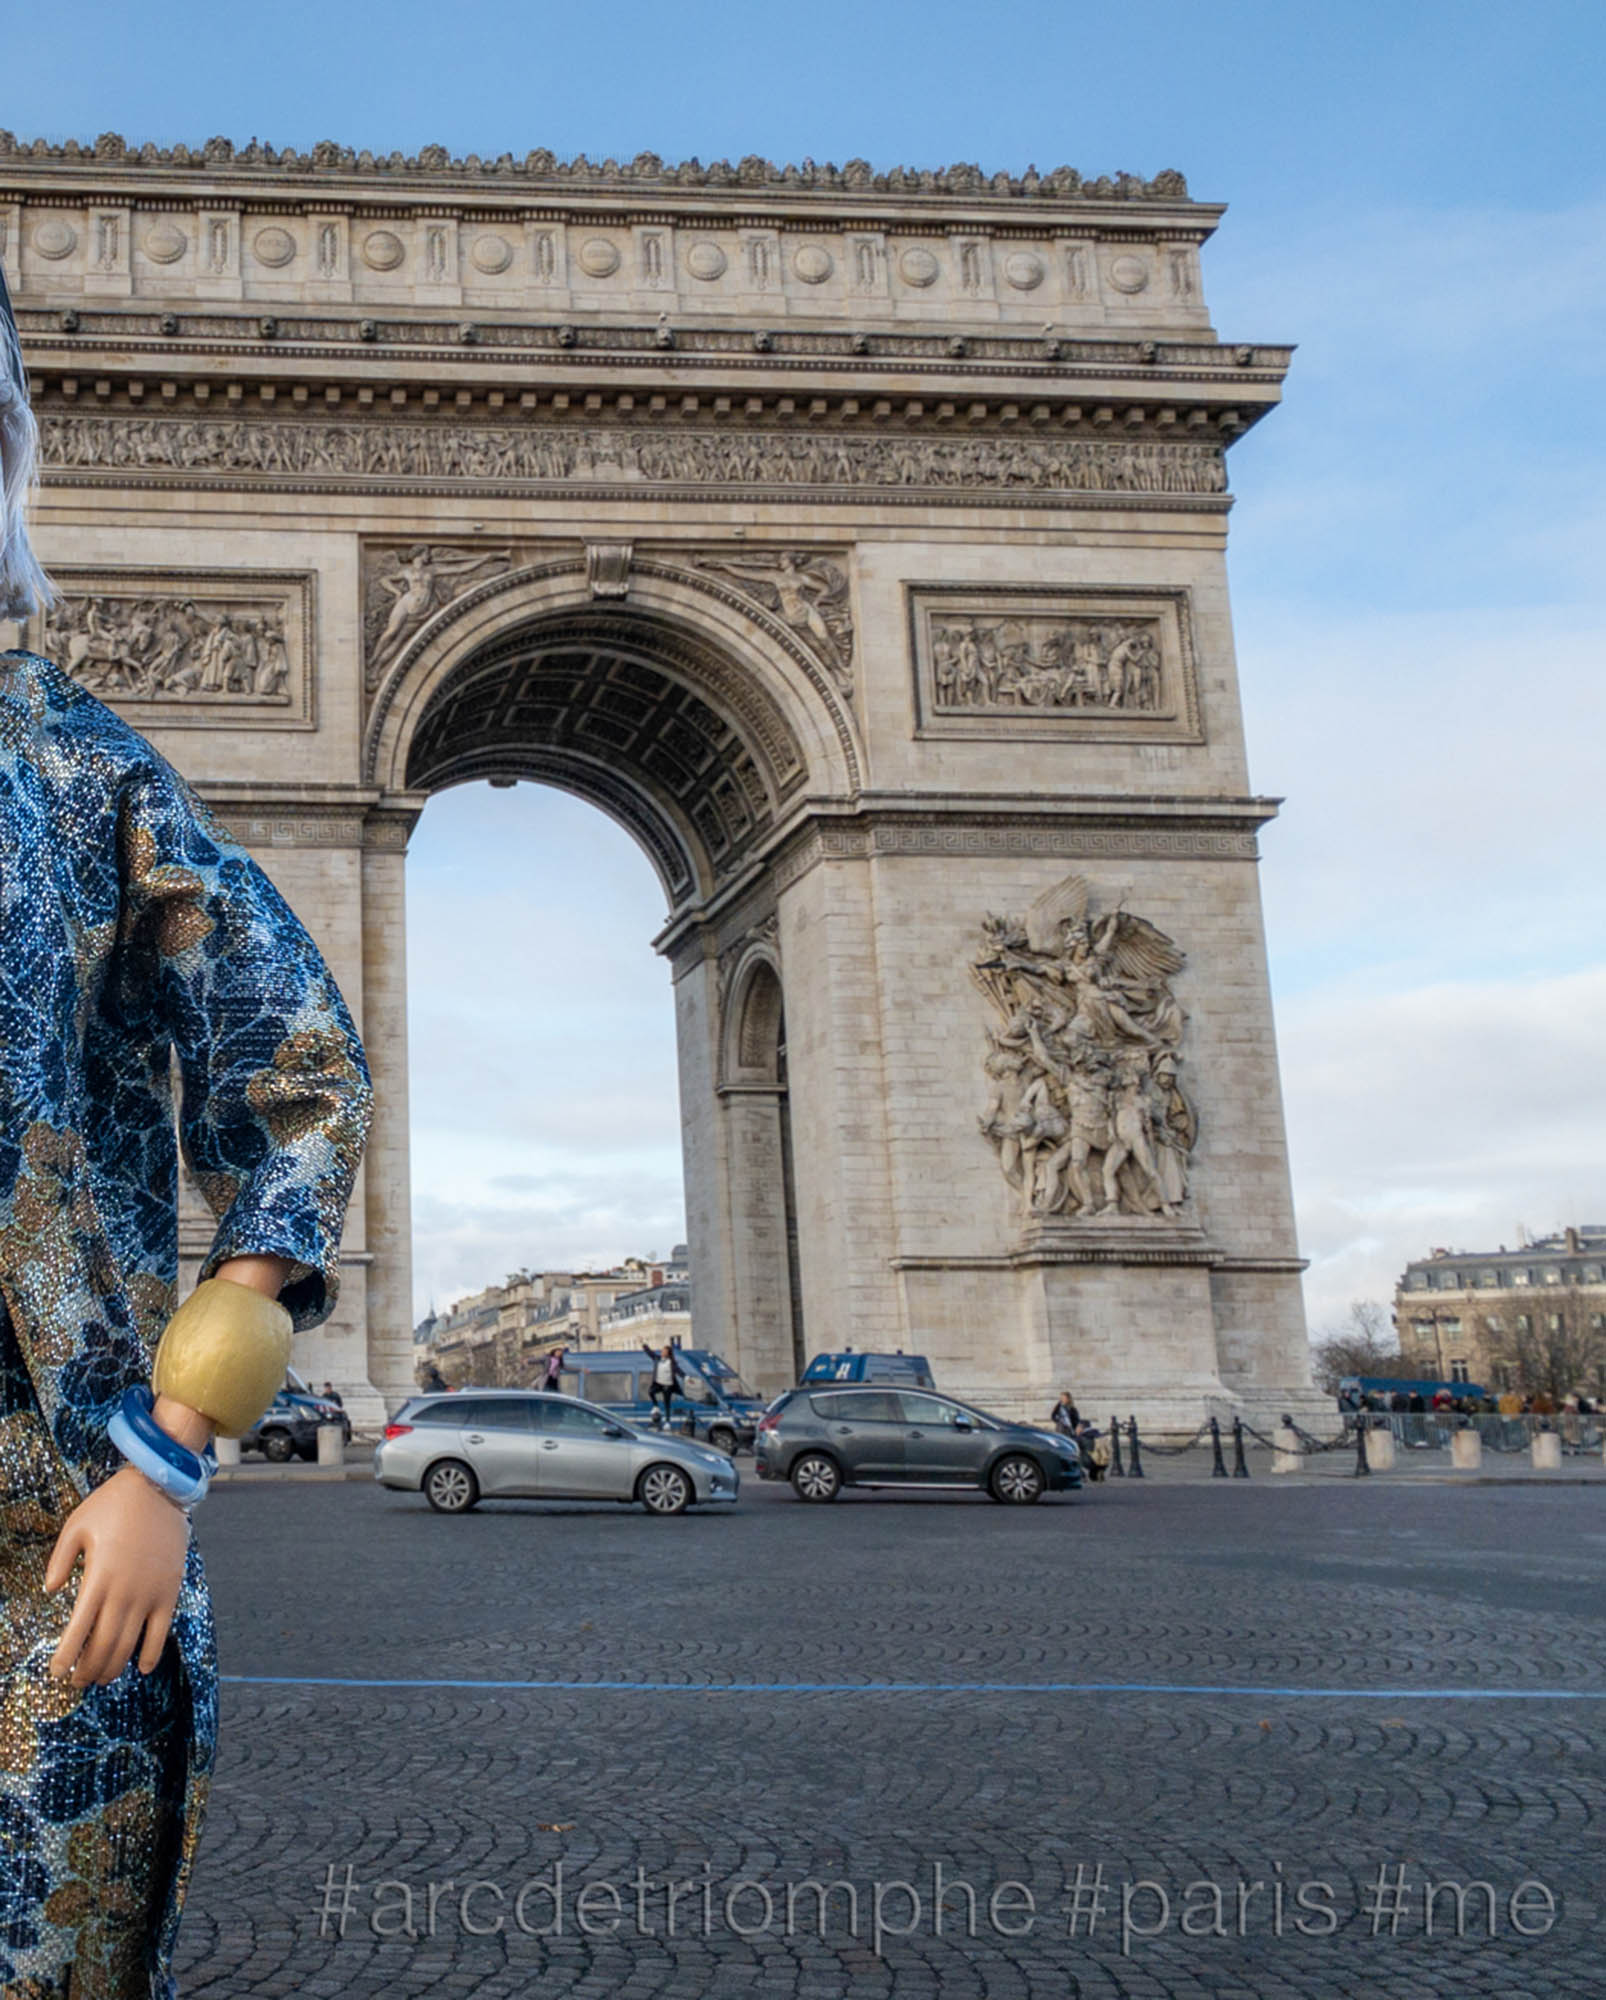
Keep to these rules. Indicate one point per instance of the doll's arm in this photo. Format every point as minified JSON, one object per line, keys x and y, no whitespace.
{"x":133,"y":1540}
{"x":276,"y":1095}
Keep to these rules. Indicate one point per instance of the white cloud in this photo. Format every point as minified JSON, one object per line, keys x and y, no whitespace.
{"x":1446,"y":1114}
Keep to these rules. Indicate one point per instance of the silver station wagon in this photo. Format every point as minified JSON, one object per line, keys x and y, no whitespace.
{"x":511,"y":1444}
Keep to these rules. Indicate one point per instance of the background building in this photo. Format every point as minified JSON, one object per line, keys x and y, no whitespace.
{"x":1531,"y":1319}
{"x":500,"y":1336}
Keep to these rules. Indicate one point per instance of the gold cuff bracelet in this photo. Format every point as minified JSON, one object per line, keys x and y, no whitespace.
{"x":224,"y":1353}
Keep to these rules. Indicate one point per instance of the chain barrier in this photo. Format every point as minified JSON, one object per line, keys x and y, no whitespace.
{"x":1294,"y":1440}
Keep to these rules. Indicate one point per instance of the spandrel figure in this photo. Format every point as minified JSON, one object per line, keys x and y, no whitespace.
{"x":131,"y":927}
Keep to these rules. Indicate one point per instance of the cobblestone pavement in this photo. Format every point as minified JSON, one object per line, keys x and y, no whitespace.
{"x":1333,"y":1803}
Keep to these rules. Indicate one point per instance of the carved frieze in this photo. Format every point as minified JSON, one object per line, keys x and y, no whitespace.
{"x":380,"y":455}
{"x":1111,"y":665}
{"x":1085,"y":1109}
{"x":808,"y":591}
{"x":187,"y":647}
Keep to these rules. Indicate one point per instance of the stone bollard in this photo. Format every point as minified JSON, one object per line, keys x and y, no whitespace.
{"x":228,"y":1451}
{"x":331,"y":1444}
{"x":1545,"y":1447}
{"x":1380,"y":1449}
{"x":1287,"y":1457}
{"x":1466,"y":1451}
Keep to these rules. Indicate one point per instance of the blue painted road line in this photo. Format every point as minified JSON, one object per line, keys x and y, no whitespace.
{"x":925,"y":1688}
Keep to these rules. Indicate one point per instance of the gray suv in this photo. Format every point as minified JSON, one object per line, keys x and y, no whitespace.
{"x":822,"y":1440}
{"x":507,"y":1444}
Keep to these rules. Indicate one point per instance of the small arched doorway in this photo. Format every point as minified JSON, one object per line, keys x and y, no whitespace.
{"x":756,"y":1097}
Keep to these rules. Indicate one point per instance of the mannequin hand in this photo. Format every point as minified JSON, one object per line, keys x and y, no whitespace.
{"x":133,"y":1541}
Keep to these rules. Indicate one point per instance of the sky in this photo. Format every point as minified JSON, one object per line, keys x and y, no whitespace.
{"x":1418,"y":199}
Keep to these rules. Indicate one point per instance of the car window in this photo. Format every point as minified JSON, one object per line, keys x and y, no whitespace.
{"x":927,"y":1409}
{"x":616,"y":1385}
{"x":443,"y":1412}
{"x":569,"y":1419}
{"x":862,"y":1406}
{"x":500,"y":1413}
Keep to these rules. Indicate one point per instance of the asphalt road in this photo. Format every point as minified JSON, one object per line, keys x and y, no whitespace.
{"x":1181,"y":1691}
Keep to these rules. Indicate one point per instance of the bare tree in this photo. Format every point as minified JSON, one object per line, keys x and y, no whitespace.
{"x":1556,"y":1348}
{"x":1364,"y":1344}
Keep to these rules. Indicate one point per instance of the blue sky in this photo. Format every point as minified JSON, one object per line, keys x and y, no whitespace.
{"x":1418,"y":198}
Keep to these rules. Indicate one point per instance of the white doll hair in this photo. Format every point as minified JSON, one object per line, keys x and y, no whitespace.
{"x":24,"y":587}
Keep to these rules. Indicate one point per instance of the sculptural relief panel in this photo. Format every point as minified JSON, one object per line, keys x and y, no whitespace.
{"x":187,"y":647}
{"x":1099,"y":666}
{"x":1086,"y":1109}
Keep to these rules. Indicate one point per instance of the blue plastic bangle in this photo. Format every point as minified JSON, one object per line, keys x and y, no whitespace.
{"x":183,"y":1475}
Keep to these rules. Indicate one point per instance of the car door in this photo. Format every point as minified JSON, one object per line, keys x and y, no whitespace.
{"x":576,"y":1459}
{"x":865,"y":1429}
{"x":943,"y":1444}
{"x":499,"y":1444}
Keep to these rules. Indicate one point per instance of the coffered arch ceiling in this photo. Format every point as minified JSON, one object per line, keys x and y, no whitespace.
{"x":648,"y":722}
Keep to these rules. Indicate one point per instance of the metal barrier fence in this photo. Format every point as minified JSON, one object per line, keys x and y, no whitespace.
{"x":1420,"y":1430}
{"x":1432,"y":1430}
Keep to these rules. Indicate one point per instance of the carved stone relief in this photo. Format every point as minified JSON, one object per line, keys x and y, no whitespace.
{"x":178,"y":646}
{"x":404,"y":587}
{"x":1085,"y":1112}
{"x":1089,"y":664}
{"x":379,"y":455}
{"x":808,"y":591}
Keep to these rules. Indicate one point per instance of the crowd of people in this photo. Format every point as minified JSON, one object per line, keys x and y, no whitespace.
{"x":1509,"y":1403}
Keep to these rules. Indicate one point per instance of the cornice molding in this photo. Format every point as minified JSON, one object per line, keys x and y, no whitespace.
{"x":111,"y":156}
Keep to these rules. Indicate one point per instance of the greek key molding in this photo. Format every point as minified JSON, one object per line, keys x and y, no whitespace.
{"x":854,"y":841}
{"x":377,"y":455}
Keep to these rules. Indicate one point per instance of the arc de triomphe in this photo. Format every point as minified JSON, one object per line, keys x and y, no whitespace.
{"x":857,"y":542}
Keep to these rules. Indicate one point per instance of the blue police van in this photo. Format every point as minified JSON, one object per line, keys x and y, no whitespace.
{"x":905,"y":1371}
{"x":714,"y":1403}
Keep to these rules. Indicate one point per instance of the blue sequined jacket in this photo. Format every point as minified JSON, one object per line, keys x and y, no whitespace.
{"x":134,"y":931}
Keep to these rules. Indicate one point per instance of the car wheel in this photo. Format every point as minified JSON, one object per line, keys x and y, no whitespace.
{"x":665,"y":1489}
{"x":816,"y":1477}
{"x":450,"y":1488}
{"x":278,"y":1446}
{"x":1017,"y":1480}
{"x":723,"y":1440}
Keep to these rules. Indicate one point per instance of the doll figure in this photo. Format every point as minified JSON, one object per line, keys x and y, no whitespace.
{"x":133,"y":931}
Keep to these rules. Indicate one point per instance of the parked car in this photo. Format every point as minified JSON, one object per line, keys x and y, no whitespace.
{"x":288,"y":1428}
{"x":508,"y":1444}
{"x":907,"y":1371}
{"x":714,"y":1403}
{"x":823,"y":1440}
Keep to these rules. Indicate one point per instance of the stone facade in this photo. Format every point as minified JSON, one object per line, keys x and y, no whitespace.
{"x":1530,"y":1319}
{"x":857,"y":542}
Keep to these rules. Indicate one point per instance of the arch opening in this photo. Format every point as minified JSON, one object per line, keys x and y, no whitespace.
{"x":648,"y":722}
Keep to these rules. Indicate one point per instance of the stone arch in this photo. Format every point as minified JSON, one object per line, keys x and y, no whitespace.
{"x":753,"y":1015}
{"x":767,"y":1294}
{"x":689,"y":716}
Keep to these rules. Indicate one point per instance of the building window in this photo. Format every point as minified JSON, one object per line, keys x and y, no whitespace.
{"x":1458,"y":1372}
{"x":1489,"y":1279}
{"x":1591,"y":1274}
{"x":1451,"y":1326}
{"x":1552,"y":1274}
{"x":1522,"y":1277}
